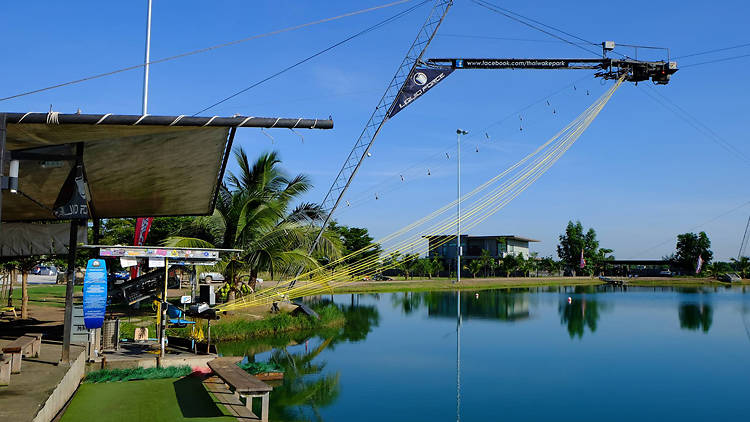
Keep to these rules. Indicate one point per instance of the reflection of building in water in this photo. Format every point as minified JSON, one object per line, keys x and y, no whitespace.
{"x":489,"y":305}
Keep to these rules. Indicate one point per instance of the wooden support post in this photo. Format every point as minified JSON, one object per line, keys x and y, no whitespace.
{"x":264,"y":407}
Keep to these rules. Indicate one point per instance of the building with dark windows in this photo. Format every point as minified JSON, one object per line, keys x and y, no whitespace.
{"x":444,"y":246}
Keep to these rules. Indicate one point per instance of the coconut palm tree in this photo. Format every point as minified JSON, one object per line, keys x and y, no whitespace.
{"x":253,"y":213}
{"x":742,"y":266}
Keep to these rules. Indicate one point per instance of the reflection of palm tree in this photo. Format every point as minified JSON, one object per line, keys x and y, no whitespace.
{"x":696,"y":316}
{"x":407,"y":301}
{"x":578,"y":314}
{"x":304,"y":390}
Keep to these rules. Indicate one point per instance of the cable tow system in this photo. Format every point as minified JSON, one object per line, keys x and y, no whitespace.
{"x":636,"y":71}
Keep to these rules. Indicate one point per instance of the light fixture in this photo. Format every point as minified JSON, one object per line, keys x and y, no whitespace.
{"x":13,"y":176}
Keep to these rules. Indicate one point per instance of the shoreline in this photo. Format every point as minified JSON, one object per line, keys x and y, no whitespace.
{"x":519,"y":282}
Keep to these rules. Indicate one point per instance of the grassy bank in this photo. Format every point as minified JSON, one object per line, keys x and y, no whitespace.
{"x":516,"y":282}
{"x":239,"y":327}
{"x":46,"y":295}
{"x":466,"y":284}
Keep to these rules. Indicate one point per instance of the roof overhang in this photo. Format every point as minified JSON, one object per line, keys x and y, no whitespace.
{"x":134,"y":165}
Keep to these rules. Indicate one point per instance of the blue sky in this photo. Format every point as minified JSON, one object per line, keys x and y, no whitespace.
{"x":639,"y":175}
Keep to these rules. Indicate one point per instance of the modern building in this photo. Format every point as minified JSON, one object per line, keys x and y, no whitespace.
{"x":499,"y":246}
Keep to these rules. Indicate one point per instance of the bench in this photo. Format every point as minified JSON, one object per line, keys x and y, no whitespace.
{"x":27,"y":345}
{"x":4,"y":370}
{"x":242,"y":383}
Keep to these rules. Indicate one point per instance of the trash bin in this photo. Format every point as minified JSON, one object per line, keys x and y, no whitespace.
{"x":111,"y":334}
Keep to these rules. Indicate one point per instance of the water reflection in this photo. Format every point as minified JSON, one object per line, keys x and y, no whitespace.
{"x":578,"y":313}
{"x":696,"y":316}
{"x":307,"y":386}
{"x":498,"y":305}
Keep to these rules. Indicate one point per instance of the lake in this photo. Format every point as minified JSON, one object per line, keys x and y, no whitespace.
{"x":563,"y":354}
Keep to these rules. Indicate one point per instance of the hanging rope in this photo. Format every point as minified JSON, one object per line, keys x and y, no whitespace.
{"x":483,"y":202}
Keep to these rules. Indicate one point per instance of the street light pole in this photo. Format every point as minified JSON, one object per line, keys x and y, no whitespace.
{"x":459,"y":132}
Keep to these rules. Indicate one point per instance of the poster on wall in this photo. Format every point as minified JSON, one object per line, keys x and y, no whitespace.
{"x":95,"y":293}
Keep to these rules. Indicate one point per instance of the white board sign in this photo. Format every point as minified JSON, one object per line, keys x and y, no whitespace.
{"x":155,"y":262}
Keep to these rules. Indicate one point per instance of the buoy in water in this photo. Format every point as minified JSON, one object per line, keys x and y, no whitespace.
{"x":570,"y":300}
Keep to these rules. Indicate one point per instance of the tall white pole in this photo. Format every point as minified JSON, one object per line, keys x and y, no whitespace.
{"x":459,"y":132}
{"x":146,"y":60}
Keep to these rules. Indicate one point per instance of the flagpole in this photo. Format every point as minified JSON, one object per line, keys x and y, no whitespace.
{"x":146,"y":60}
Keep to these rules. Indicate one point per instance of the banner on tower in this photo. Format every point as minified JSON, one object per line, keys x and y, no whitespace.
{"x":418,"y":83}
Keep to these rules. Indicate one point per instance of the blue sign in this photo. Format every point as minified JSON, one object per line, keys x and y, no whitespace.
{"x":95,"y":293}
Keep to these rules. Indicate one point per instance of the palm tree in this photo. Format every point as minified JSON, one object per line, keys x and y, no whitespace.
{"x":742,"y":266}
{"x":475,"y":267}
{"x":253,"y":214}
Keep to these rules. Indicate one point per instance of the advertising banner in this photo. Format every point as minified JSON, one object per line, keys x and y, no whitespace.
{"x":95,"y":293}
{"x":418,"y":83}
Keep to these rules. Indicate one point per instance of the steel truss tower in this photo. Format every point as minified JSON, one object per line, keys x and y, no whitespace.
{"x":380,"y":115}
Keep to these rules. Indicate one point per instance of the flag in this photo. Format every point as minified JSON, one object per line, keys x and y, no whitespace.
{"x":418,"y":83}
{"x":700,"y":264}
{"x":142,"y":226}
{"x":583,"y":260}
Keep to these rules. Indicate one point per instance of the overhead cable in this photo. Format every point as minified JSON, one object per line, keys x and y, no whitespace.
{"x":308,"y":58}
{"x":523,"y":20}
{"x":206,"y":49}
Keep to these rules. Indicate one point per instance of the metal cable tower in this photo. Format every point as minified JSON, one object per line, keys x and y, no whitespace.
{"x":380,"y":115}
{"x":743,"y":244}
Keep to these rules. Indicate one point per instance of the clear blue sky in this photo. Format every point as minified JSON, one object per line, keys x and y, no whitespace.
{"x":639,"y":175}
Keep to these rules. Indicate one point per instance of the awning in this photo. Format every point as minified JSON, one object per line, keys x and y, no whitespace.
{"x":135,"y":165}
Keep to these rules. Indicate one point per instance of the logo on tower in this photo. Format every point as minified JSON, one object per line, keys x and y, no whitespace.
{"x":420,"y":78}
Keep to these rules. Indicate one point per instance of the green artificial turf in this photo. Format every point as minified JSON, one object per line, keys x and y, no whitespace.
{"x":148,"y":400}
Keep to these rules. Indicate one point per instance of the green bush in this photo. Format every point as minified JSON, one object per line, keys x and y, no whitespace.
{"x":256,"y":368}
{"x":236,"y":328}
{"x":110,"y":375}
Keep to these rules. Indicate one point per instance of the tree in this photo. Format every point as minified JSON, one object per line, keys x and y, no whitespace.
{"x":485,"y":260}
{"x":550,"y":265}
{"x":689,"y":247}
{"x":355,"y":239}
{"x":26,"y":264}
{"x":573,"y":241}
{"x":408,"y":264}
{"x":254,"y":213}
{"x":742,"y":266}
{"x":436,"y":263}
{"x":509,"y":264}
{"x":120,"y":231}
{"x":475,"y":267}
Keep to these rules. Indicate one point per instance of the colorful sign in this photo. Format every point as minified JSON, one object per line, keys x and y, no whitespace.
{"x":95,"y":293}
{"x":150,"y":251}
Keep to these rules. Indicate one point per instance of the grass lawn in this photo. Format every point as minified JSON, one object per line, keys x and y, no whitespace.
{"x":171,"y":399}
{"x":45,"y":295}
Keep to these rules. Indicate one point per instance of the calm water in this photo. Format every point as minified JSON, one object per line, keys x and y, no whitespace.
{"x":602,"y":355}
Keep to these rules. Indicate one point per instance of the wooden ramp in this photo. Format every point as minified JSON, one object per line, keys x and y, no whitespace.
{"x":228,"y":399}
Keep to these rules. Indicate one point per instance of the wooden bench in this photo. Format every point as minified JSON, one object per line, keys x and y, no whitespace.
{"x":27,"y":345}
{"x":4,"y":370}
{"x":242,"y":383}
